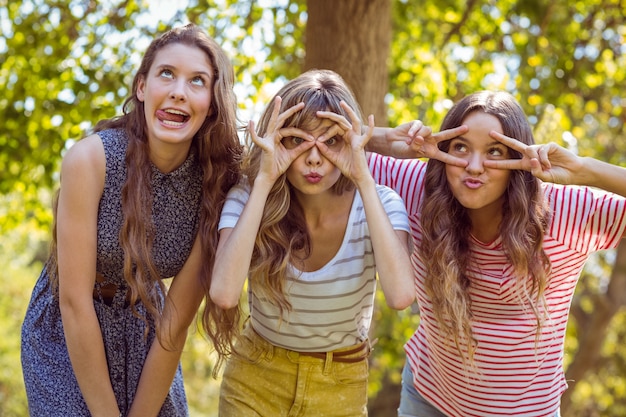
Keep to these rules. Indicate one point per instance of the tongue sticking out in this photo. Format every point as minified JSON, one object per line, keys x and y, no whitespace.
{"x":171,"y":117}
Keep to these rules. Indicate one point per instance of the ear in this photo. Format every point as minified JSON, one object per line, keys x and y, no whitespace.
{"x":141,"y":86}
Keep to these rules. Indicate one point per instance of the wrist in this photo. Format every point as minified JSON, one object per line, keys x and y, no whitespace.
{"x":365,"y":183}
{"x":379,"y":136}
{"x":263,"y":182}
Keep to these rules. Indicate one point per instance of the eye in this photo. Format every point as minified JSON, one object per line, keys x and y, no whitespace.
{"x":458,"y":147}
{"x":166,"y":73}
{"x":332,"y":141}
{"x":498,"y":152}
{"x":291,"y":142}
{"x":198,"y":80}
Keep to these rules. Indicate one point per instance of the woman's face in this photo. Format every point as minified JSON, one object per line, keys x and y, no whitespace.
{"x":177,"y":93}
{"x":478,"y":188}
{"x":311,"y":173}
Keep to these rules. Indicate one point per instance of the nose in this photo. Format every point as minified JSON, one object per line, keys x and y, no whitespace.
{"x":314,"y":157}
{"x":178,"y":90}
{"x":475,"y":164}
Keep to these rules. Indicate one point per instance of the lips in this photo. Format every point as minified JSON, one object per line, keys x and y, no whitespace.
{"x":472,"y":183}
{"x":313,"y":177}
{"x":172,"y":117}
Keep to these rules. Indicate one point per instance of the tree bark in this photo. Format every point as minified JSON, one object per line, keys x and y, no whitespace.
{"x":353,"y":38}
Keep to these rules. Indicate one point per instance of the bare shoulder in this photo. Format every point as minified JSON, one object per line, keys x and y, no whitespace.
{"x":86,"y":160}
{"x":88,"y":151}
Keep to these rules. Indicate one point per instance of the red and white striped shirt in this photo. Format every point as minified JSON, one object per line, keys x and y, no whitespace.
{"x":513,"y":373}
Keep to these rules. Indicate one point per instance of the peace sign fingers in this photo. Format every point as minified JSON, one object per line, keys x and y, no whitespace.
{"x":529,"y":154}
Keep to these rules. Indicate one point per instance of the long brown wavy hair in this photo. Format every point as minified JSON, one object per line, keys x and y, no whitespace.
{"x":218,"y":150}
{"x":446,"y":226}
{"x":283,"y":230}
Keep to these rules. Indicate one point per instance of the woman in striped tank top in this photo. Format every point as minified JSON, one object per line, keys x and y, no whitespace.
{"x":502,"y":228}
{"x":311,"y":231}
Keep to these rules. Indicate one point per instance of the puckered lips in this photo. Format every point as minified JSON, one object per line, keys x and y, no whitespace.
{"x":172,"y":117}
{"x":313,"y":177}
{"x":472,"y":183}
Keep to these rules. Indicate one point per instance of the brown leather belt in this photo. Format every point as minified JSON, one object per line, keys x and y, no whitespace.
{"x":340,"y":356}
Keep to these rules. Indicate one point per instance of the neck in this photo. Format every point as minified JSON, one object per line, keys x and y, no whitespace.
{"x":320,"y":207}
{"x":485,"y":224}
{"x":168,"y":158}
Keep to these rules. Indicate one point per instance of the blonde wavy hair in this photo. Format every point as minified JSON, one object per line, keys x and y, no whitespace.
{"x":283,"y":230}
{"x":446,"y":226}
{"x":218,"y":150}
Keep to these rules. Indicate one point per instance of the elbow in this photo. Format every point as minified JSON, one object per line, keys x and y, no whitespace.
{"x":403,"y":297}
{"x":222,"y":299}
{"x":401,"y":301}
{"x":73,"y":309}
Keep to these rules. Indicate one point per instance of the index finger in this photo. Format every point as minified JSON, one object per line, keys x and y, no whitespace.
{"x":450,"y":133}
{"x":333,"y":130}
{"x":356,"y":122}
{"x":337,"y":118}
{"x":448,"y":159}
{"x":297,"y":132}
{"x":509,"y":142}
{"x":512,"y":164}
{"x":287,"y":113}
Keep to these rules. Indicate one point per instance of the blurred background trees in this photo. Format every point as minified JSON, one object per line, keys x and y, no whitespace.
{"x":66,"y":64}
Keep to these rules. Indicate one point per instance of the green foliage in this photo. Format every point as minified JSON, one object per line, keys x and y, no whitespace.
{"x":58,"y":78}
{"x":563,"y":60}
{"x":202,"y":389}
{"x":264,"y":40}
{"x":19,"y":274}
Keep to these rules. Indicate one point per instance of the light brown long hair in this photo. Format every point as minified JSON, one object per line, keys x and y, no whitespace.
{"x":217,"y":147}
{"x":446,"y":226}
{"x":283,"y":230}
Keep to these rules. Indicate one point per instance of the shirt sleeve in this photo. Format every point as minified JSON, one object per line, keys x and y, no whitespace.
{"x":236,"y":200}
{"x":586,"y":219}
{"x":405,"y":176}
{"x":394,"y":207}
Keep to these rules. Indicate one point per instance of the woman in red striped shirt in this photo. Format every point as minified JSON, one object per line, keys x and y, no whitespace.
{"x":502,"y":228}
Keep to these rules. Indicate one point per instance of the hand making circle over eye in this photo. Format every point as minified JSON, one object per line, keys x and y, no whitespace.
{"x":350,"y":156}
{"x":280,"y":145}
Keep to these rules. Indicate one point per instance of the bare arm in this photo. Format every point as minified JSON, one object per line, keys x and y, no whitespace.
{"x":234,"y":251}
{"x":391,"y":250}
{"x":181,"y":305}
{"x":82,"y":183}
{"x":609,"y":177}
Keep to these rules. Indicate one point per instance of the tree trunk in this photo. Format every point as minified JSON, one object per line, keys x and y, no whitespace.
{"x":352,"y":38}
{"x":593,"y":326}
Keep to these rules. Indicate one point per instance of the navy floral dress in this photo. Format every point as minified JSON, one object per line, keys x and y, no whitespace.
{"x":51,"y":386}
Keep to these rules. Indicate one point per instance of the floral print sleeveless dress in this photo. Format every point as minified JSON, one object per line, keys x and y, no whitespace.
{"x":51,"y":386}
